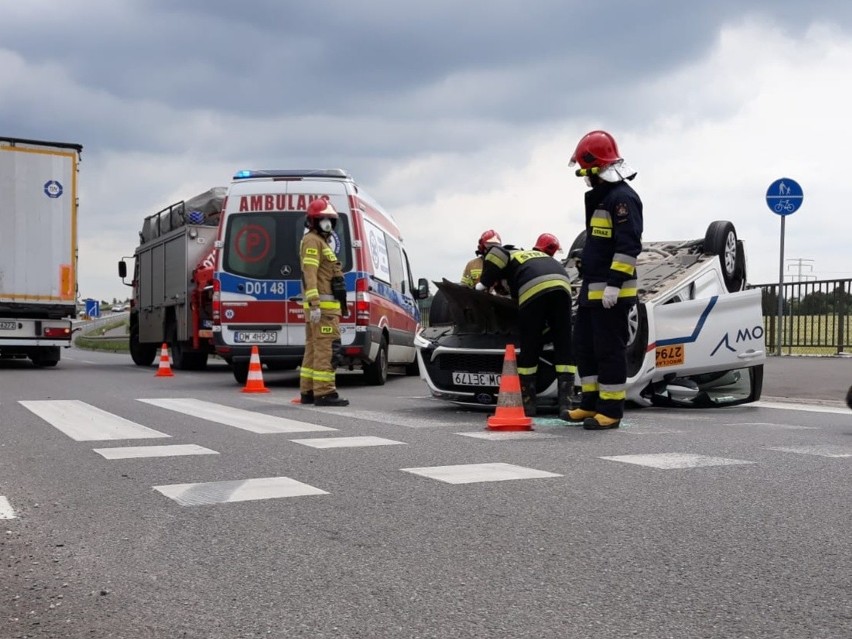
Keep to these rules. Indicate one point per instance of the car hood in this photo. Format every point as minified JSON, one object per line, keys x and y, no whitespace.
{"x":478,"y":311}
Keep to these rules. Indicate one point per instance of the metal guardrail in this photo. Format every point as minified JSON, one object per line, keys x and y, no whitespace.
{"x":815,"y":317}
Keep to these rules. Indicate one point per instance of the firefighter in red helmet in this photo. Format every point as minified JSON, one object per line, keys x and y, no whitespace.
{"x":324,"y":295}
{"x":548,"y":243}
{"x":473,"y":269}
{"x":609,"y":287}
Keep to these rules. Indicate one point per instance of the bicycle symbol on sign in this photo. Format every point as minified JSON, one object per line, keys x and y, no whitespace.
{"x":784,"y":205}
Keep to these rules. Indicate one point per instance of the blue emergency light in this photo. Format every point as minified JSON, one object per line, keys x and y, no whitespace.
{"x":293,"y":174}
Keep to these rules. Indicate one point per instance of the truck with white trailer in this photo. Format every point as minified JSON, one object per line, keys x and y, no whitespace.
{"x":172,"y":282}
{"x":38,"y":248}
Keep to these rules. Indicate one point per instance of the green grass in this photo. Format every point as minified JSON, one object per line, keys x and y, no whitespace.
{"x":96,"y":341}
{"x":809,"y":334}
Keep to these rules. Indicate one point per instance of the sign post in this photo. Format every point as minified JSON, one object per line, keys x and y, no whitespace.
{"x":783,"y":197}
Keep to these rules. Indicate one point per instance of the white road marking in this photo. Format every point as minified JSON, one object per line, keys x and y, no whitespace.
{"x":394,"y":419}
{"x":222,"y":492}
{"x":473,"y":473}
{"x":668,"y":461}
{"x":811,"y":408}
{"x":773,"y":425}
{"x":83,"y":422}
{"x":6,"y":510}
{"x":822,"y":451}
{"x":135,"y":452}
{"x":236,"y":417}
{"x":345,"y":442}
{"x":500,"y":436}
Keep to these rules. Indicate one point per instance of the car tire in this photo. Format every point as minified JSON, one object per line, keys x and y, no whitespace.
{"x":376,"y":372}
{"x":578,"y":243}
{"x":637,"y":339}
{"x":721,"y":240}
{"x":439,"y":311}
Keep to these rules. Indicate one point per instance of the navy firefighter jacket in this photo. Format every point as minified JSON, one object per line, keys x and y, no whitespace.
{"x":528,"y":273}
{"x":613,"y":242}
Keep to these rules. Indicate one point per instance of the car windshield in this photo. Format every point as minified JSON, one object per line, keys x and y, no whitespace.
{"x":266,"y":245}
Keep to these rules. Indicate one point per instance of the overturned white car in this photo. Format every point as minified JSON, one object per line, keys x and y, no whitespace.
{"x":696,"y":335}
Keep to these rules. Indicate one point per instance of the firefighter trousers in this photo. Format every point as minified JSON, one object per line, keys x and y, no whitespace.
{"x":322,"y":343}
{"x":600,"y":345}
{"x":552,"y":311}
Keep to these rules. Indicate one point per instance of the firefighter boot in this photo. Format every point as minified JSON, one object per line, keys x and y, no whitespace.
{"x":565,"y":389}
{"x":307,"y":397}
{"x":601,"y":422}
{"x":577,"y":415}
{"x":332,"y":399}
{"x":528,"y":394}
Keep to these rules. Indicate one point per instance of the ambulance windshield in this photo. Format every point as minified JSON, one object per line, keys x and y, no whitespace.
{"x":266,"y":245}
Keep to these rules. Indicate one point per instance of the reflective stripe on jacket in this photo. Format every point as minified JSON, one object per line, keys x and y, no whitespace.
{"x":528,"y":273}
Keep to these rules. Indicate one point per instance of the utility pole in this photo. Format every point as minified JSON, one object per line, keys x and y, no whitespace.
{"x":800,"y":263}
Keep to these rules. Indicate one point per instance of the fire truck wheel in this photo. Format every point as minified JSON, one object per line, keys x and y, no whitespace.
{"x":142,"y":354}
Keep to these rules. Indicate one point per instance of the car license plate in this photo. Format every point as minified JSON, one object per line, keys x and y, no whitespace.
{"x":257,"y":337}
{"x":672,"y":355}
{"x":8,"y":326}
{"x":476,"y":379}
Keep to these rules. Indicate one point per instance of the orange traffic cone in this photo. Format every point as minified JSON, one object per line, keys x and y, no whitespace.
{"x":254,"y":381}
{"x":165,"y":367}
{"x":510,"y":406}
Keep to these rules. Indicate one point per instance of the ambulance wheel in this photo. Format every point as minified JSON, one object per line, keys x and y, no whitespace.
{"x":240,"y":370}
{"x":721,"y":240}
{"x":142,"y":354}
{"x":376,"y":372}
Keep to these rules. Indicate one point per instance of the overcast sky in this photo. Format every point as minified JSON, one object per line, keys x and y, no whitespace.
{"x":458,"y":116}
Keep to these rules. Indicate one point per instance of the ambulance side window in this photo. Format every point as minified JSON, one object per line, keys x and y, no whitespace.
{"x":395,"y":264}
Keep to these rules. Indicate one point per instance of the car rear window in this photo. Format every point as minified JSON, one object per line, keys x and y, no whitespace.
{"x":266,"y":245}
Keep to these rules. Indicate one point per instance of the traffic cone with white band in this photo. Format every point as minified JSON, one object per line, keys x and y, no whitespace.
{"x":254,"y":381}
{"x":165,"y":367}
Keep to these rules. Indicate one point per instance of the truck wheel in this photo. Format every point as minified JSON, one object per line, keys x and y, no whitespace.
{"x":376,"y":372}
{"x":240,"y":370}
{"x":721,"y":240}
{"x":46,"y":357}
{"x":142,"y":354}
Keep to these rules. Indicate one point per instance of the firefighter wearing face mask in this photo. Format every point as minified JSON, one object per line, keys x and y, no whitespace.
{"x":542,"y":289}
{"x":609,"y":288}
{"x":323,"y":294}
{"x":473,"y":269}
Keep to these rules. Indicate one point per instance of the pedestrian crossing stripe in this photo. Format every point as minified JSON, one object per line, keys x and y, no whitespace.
{"x":222,"y":492}
{"x":84,"y":422}
{"x":138,"y":452}
{"x":345,"y":442}
{"x":669,"y":461}
{"x":236,"y":417}
{"x":821,"y":451}
{"x":475,"y":473}
{"x":6,"y":510}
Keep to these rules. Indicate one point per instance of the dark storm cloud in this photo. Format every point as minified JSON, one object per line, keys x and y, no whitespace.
{"x":431,"y":77}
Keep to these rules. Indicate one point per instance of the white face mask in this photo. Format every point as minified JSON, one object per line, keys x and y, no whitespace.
{"x":325,"y":225}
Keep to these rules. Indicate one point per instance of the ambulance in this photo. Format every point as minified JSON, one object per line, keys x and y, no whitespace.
{"x":257,"y":288}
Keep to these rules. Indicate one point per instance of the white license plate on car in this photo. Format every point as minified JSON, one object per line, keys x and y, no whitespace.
{"x":476,"y":379}
{"x":8,"y":326}
{"x":256,"y":337}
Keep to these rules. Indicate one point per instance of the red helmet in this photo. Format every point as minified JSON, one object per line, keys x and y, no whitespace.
{"x":486,"y":240}
{"x":320,"y":208}
{"x":596,"y":149}
{"x":547,"y":243}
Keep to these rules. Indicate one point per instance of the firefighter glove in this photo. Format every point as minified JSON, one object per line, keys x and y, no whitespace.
{"x":610,"y":296}
{"x":314,"y":315}
{"x":338,"y":290}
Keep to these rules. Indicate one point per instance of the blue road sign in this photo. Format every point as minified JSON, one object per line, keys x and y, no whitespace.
{"x":93,"y":308}
{"x":784,"y":196}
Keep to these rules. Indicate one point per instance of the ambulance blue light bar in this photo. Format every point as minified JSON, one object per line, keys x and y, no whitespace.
{"x":293,"y":174}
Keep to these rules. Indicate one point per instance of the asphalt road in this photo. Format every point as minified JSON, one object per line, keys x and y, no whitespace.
{"x":717,"y":523}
